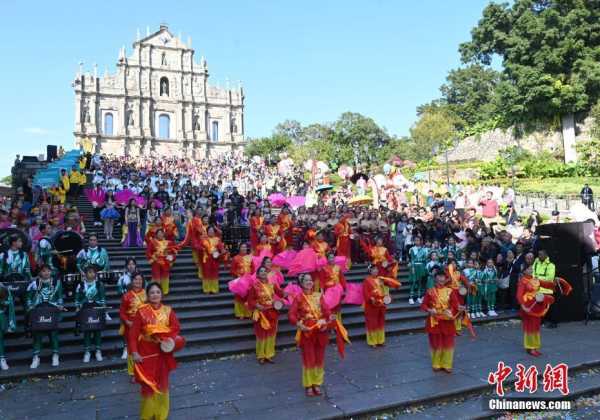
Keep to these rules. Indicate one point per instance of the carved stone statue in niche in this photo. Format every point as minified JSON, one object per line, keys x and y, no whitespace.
{"x":85,"y":112}
{"x":130,"y":116}
{"x":163,"y":59}
{"x":164,"y":87}
{"x":233,"y":124}
{"x":196,"y":121}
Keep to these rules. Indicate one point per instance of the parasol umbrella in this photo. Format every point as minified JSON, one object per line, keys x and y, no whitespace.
{"x":324,"y":187}
{"x":322,"y":167}
{"x":380,"y":180}
{"x":345,"y":172}
{"x":308,"y":165}
{"x":285,"y":166}
{"x":296,"y":201}
{"x":359,"y":175}
{"x":360,"y":200}
{"x":396,"y":161}
{"x":277,"y":199}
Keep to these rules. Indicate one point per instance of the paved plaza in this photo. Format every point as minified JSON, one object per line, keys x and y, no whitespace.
{"x":398,"y":375}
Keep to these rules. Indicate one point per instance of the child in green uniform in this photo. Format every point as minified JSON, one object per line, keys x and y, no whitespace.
{"x":418,"y":258}
{"x":91,"y":292}
{"x":470,"y":272}
{"x":44,"y":291}
{"x":490,"y":286}
{"x":7,"y":321}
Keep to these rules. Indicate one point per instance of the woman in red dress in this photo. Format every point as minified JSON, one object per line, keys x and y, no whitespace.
{"x":260,"y":301}
{"x":376,"y":297}
{"x":130,"y":303}
{"x":241,"y":265}
{"x":212,"y":253}
{"x":310,"y":314}
{"x":256,"y":225}
{"x":154,"y":324}
{"x":441,"y":302}
{"x":161,"y":254}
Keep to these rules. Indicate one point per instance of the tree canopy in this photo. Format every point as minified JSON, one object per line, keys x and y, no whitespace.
{"x":351,"y":138}
{"x":550,"y":52}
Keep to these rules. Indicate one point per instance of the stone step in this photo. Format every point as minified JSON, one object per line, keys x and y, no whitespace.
{"x":220,"y":311}
{"x":199,"y":346}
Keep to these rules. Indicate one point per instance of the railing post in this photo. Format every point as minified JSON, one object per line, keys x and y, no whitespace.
{"x":545,"y":201}
{"x":568,"y":202}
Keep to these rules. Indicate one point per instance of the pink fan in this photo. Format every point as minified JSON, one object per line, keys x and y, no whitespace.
{"x":158,"y":203}
{"x":296,"y":201}
{"x":277,"y":199}
{"x":354,"y":294}
{"x":342,"y":262}
{"x":241,"y":285}
{"x":292,"y":290}
{"x":139,"y":200}
{"x":276,"y":278}
{"x":284,"y":259}
{"x":94,"y":195}
{"x":321,"y":262}
{"x":123,"y":196}
{"x":304,"y":262}
{"x":333,"y":296}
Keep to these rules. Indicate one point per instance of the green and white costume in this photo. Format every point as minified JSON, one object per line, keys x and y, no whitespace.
{"x":44,"y":292}
{"x":93,"y":256}
{"x":90,"y":293}
{"x":418,"y":257}
{"x":489,"y":278}
{"x":8,"y":321}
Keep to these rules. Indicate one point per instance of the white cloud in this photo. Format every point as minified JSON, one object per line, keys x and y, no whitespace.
{"x":36,"y":130}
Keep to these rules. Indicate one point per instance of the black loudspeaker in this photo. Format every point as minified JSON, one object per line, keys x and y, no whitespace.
{"x":568,"y":246}
{"x":29,"y":159}
{"x":51,"y":152}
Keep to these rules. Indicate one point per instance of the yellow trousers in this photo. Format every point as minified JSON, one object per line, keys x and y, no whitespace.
{"x":155,"y":407}
{"x":265,"y":348}
{"x":376,"y":337}
{"x":210,"y":286}
{"x":312,"y":376}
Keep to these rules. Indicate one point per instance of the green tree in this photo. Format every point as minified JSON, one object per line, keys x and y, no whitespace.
{"x":469,"y":93}
{"x":360,"y":134}
{"x":550,"y":51}
{"x":435,"y":130}
{"x":7,"y":180}
{"x":268,"y":146}
{"x":291,"y":129}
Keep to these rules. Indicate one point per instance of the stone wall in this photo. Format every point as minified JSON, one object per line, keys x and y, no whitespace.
{"x":487,"y":146}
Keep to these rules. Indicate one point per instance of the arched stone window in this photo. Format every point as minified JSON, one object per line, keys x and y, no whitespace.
{"x":164,"y":126}
{"x":108,"y":124}
{"x":214,"y":134}
{"x":164,"y":86}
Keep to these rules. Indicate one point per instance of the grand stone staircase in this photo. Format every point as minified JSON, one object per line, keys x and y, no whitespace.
{"x":207,"y":321}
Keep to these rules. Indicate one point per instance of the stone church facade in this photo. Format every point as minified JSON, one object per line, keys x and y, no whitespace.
{"x":159,"y":102}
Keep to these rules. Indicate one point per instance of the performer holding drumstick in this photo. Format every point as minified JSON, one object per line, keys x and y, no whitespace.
{"x":45,"y":291}
{"x":90,"y":293}
{"x":154,"y":338}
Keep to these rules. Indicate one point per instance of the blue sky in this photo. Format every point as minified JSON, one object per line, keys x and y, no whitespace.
{"x":308,"y":60}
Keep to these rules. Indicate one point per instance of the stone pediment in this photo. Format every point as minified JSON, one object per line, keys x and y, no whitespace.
{"x":163,"y":38}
